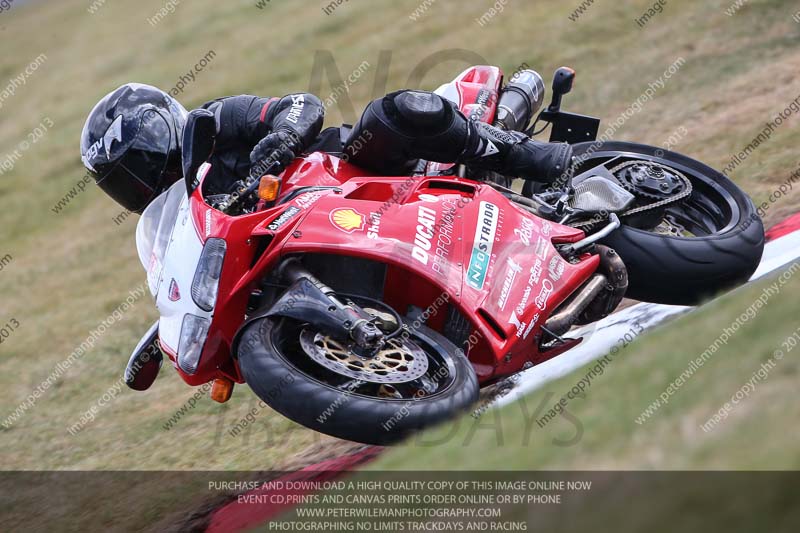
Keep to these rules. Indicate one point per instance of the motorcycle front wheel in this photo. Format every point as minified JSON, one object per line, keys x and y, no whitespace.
{"x":416,"y":380}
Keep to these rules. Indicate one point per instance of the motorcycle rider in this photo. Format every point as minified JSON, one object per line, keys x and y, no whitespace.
{"x":131,"y":141}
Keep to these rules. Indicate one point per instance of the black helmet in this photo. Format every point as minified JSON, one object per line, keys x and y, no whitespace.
{"x":131,"y":144}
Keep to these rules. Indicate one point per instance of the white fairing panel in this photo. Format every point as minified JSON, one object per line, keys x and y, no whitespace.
{"x":450,"y":91}
{"x":155,"y":229}
{"x":174,"y":294}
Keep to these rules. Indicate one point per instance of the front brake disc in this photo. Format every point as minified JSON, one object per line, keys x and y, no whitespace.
{"x":398,"y":361}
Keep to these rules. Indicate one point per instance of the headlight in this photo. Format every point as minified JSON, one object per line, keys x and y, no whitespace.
{"x":193,"y":336}
{"x":206,"y":277}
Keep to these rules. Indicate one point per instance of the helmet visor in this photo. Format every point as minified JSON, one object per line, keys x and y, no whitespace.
{"x":137,"y":174}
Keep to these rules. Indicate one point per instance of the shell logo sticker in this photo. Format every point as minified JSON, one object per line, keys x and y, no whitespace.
{"x":347,"y":219}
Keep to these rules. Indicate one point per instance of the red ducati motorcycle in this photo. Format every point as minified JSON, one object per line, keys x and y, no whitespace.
{"x":369,"y":307}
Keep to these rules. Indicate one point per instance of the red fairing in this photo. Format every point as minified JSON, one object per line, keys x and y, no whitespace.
{"x":440,"y":237}
{"x":477,"y":90}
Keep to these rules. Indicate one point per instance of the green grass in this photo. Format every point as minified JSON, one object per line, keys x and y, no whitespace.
{"x":600,"y":430}
{"x":70,"y":270}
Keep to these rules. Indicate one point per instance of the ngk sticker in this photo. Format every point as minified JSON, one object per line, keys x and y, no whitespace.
{"x":488,"y":215}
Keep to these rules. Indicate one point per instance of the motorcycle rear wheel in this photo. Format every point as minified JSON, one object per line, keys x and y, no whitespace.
{"x":276,"y":364}
{"x":723,"y":250}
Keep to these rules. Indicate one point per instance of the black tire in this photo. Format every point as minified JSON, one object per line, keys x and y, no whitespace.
{"x":356,"y":417}
{"x":685,"y":270}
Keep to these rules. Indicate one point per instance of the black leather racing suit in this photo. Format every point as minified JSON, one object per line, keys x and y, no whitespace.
{"x":390,"y":136}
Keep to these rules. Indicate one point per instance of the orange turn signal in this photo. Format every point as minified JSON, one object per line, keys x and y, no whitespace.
{"x":268,"y":187}
{"x":221,"y":390}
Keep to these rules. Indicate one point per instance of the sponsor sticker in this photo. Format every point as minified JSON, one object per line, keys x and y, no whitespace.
{"x":541,"y":248}
{"x":308,"y":199}
{"x":525,"y":231}
{"x":283,"y":218}
{"x":556,"y":268}
{"x":347,"y":219}
{"x":488,"y":215}
{"x":544,"y":294}
{"x":373,"y":230}
{"x":536,"y":272}
{"x":513,"y":269}
{"x":423,"y":236}
{"x":208,"y":222}
{"x":523,"y":328}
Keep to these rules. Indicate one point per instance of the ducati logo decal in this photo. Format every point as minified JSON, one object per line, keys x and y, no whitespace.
{"x":347,"y":219}
{"x":430,"y":198}
{"x":174,"y":291}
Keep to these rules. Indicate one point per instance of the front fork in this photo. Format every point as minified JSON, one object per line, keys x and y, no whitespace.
{"x":308,"y":299}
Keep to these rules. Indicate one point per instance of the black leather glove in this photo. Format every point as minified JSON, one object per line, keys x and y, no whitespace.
{"x":274,"y":152}
{"x":514,"y":154}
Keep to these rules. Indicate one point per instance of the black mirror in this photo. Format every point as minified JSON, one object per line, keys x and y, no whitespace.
{"x":145,"y":361}
{"x":199,"y":135}
{"x":562,"y":84}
